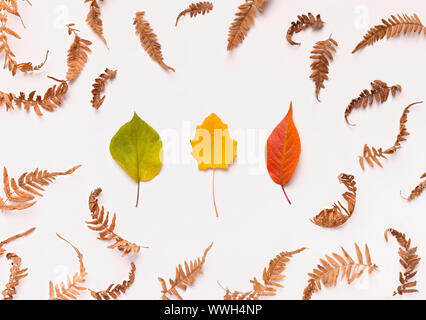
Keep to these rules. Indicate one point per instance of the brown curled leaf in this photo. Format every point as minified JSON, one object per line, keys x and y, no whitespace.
{"x":418,"y":190}
{"x":195,"y":9}
{"x":339,"y":214}
{"x":304,"y":22}
{"x":77,"y":54}
{"x":13,"y":238}
{"x":16,"y":275}
{"x":99,"y":87}
{"x":94,"y":19}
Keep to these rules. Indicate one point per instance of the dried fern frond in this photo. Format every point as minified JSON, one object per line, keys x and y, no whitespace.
{"x":409,"y":261}
{"x":16,"y":275}
{"x":101,"y":224}
{"x":184,"y":277}
{"x":99,"y":87}
{"x":339,"y":214}
{"x":372,"y":155}
{"x":115,"y":291}
{"x":50,"y":101}
{"x":149,"y":40}
{"x":392,"y":27}
{"x":13,"y":238}
{"x":94,"y":19}
{"x":328,"y":271}
{"x":380,"y":92}
{"x":244,"y":21}
{"x":322,"y":54}
{"x":304,"y":22}
{"x":271,"y":276}
{"x":417,"y":191}
{"x":195,"y":9}
{"x":77,"y":54}
{"x":20,"y":194}
{"x":73,"y":287}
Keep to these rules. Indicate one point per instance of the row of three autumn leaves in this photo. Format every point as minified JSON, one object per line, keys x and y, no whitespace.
{"x":138,"y":149}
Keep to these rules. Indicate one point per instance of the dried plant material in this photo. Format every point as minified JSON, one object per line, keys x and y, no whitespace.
{"x":304,"y":22}
{"x":244,"y":21}
{"x":195,"y":9}
{"x":11,"y":7}
{"x":20,"y":194}
{"x":77,"y":54}
{"x":271,"y":275}
{"x":184,"y":278}
{"x":409,"y":261}
{"x":339,"y":214}
{"x":99,"y":87}
{"x":73,"y":287}
{"x":372,"y":155}
{"x":116,"y":290}
{"x":100,"y":223}
{"x":322,"y":55}
{"x":213,"y":148}
{"x":390,"y":28}
{"x":16,"y":275}
{"x":283,"y":151}
{"x":13,"y":238}
{"x":94,"y":19}
{"x":379,"y":92}
{"x":328,"y":271}
{"x":50,"y":101}
{"x":417,"y":190}
{"x":149,"y":40}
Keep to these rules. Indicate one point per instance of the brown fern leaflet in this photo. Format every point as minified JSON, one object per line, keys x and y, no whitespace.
{"x":372,"y":155}
{"x":13,"y":238}
{"x":50,"y":101}
{"x":322,"y":54}
{"x":115,"y":291}
{"x":409,"y":261}
{"x":16,"y":275}
{"x":328,"y":271}
{"x":73,"y":287}
{"x":304,"y":22}
{"x":379,"y":92}
{"x":77,"y":54}
{"x":271,"y":275}
{"x":100,"y":223}
{"x":99,"y":87}
{"x":195,"y":9}
{"x":20,"y":194}
{"x":149,"y":40}
{"x":184,"y":278}
{"x":339,"y":214}
{"x":392,"y":27}
{"x":244,"y":21}
{"x":417,"y":191}
{"x":11,"y":7}
{"x":94,"y":19}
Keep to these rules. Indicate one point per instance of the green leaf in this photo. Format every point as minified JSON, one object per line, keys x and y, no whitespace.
{"x":138,"y":149}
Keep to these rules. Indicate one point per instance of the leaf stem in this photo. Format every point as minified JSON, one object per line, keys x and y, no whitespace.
{"x":139,"y":191}
{"x":286,"y":195}
{"x":214,"y":194}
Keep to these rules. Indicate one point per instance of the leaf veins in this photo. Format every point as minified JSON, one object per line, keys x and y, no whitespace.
{"x":94,"y":19}
{"x":99,"y":87}
{"x":16,"y":275}
{"x":77,"y":54}
{"x":304,"y":22}
{"x":195,"y":9}
{"x":417,"y":191}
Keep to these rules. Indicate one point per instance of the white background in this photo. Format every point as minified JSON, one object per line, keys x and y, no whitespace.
{"x":250,"y":89}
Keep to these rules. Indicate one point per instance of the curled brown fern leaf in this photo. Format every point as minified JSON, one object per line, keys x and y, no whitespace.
{"x":271,"y":276}
{"x":20,"y":194}
{"x":390,"y":28}
{"x":184,"y":278}
{"x":409,"y":261}
{"x":303,"y":22}
{"x":94,"y":19}
{"x":149,"y":40}
{"x":13,"y":238}
{"x":380,"y":92}
{"x":372,"y":156}
{"x":99,"y":86}
{"x":114,"y":291}
{"x":77,"y":54}
{"x":73,"y":287}
{"x":100,"y":223}
{"x":16,"y":275}
{"x":339,"y":214}
{"x":244,"y":21}
{"x":322,"y":54}
{"x":328,"y":271}
{"x":50,"y":101}
{"x":418,"y":190}
{"x":195,"y":9}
